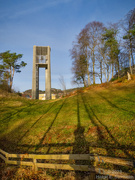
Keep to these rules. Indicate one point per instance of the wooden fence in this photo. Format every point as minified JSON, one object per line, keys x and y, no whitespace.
{"x":32,"y":160}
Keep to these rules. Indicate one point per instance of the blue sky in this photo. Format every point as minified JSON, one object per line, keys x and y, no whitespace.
{"x":53,"y":23}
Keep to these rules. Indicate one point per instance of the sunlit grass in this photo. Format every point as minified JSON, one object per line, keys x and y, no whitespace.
{"x":102,"y":119}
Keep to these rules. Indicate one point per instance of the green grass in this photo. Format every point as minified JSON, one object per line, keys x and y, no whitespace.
{"x":100,"y":120}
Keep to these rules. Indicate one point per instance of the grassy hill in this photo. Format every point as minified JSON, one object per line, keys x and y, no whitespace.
{"x":99,"y":119}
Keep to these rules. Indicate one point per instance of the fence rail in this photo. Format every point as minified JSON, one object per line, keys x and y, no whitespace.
{"x":32,"y":160}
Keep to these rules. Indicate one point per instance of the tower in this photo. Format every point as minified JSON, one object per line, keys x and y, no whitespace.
{"x":41,"y":59}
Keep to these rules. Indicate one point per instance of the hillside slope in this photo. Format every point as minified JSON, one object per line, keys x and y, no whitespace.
{"x":99,"y":119}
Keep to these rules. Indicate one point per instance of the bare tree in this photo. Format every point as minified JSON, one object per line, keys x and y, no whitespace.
{"x":79,"y":64}
{"x":98,"y":51}
{"x":83,"y":41}
{"x":63,"y":84}
{"x":102,"y":62}
{"x":94,"y":30}
{"x":129,"y":37}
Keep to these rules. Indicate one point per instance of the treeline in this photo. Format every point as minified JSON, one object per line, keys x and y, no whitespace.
{"x":100,"y":51}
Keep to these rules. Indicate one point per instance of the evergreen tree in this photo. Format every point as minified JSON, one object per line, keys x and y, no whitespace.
{"x":9,"y":65}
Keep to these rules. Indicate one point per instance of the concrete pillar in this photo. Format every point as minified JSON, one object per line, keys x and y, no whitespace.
{"x":34,"y":74}
{"x":37,"y":82}
{"x":48,"y":76}
{"x":40,"y":51}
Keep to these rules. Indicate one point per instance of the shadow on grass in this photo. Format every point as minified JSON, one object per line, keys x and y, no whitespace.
{"x":114,"y":105}
{"x":123,"y":98}
{"x":5,"y":141}
{"x":11,"y":114}
{"x":126,"y":88}
{"x":129,"y":100}
{"x":101,"y":136}
{"x":48,"y":109}
{"x":41,"y":142}
{"x":58,"y":145}
{"x":79,"y":132}
{"x":80,"y":146}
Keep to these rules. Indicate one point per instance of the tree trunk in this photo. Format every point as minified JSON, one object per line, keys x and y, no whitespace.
{"x":118,"y":70}
{"x":101,"y":70}
{"x":93,"y":61}
{"x":11,"y":77}
{"x":104,"y":67}
{"x":132,"y":58}
{"x":10,"y":85}
{"x":88,"y":73}
{"x":130,"y":61}
{"x":118,"y":67}
{"x":85,"y":84}
{"x":93,"y":73}
{"x":112,"y":69}
{"x":107,"y":73}
{"x":131,"y":54}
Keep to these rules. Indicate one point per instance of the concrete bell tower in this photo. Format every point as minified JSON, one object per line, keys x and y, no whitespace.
{"x":41,"y":59}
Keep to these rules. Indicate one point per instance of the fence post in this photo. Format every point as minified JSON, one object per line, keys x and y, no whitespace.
{"x":35,"y":164}
{"x":7,"y":158}
{"x":92,"y":176}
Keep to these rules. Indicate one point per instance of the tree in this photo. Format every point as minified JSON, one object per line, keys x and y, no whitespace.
{"x":130,"y":41}
{"x":79,"y":64}
{"x":94,"y":30}
{"x":103,"y":62}
{"x":130,"y":18}
{"x":79,"y":70}
{"x":112,"y":48}
{"x":10,"y":63}
{"x":83,"y":41}
{"x":129,"y":37}
{"x":63,"y":84}
{"x":123,"y":60}
{"x":98,"y":51}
